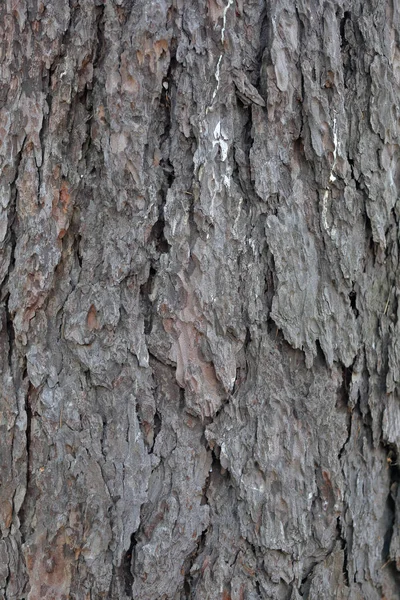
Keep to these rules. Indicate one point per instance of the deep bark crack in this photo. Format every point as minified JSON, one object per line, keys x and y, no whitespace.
{"x":126,"y":566}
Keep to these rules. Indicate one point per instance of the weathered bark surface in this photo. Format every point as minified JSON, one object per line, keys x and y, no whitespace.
{"x":199,"y":236}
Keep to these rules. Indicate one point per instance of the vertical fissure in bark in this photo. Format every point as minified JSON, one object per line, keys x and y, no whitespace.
{"x":258,"y":589}
{"x":12,"y":225}
{"x":265,"y":34}
{"x":100,"y":45}
{"x":182,"y":400}
{"x":189,"y":580}
{"x":10,"y":334}
{"x":343,"y":544}
{"x":127,"y":567}
{"x":103,"y":438}
{"x":25,"y":511}
{"x":343,"y":403}
{"x":270,"y":283}
{"x":147,"y":303}
{"x":157,"y":424}
{"x":162,"y":246}
{"x":29,"y":417}
{"x":342,"y":28}
{"x":247,"y":184}
{"x":157,"y":232}
{"x":47,"y":104}
{"x":353,"y":301}
{"x":370,"y":237}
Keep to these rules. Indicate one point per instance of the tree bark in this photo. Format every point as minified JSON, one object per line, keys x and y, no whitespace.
{"x":199,"y":254}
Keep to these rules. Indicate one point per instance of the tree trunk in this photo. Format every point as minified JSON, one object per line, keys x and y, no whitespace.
{"x":199,"y":333}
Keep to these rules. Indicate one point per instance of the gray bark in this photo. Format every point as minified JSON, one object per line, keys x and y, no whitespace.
{"x":199,"y":254}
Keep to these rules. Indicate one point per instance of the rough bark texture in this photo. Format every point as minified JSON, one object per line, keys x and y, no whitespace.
{"x":199,"y":333}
